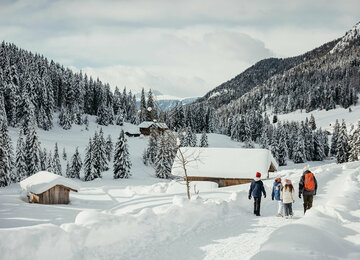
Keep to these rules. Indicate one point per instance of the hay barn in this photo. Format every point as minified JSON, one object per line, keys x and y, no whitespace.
{"x":225,"y":166}
{"x":48,"y":188}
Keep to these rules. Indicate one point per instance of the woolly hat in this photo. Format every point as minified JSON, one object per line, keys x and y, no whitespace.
{"x":278,"y":179}
{"x":258,"y":175}
{"x":287,"y":181}
{"x":306,"y":168}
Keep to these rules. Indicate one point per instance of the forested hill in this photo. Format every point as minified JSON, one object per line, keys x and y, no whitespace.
{"x":258,"y":74}
{"x":33,"y":86}
{"x":319,"y":79}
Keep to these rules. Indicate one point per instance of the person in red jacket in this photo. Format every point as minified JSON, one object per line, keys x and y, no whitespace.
{"x":307,"y":188}
{"x":256,"y":188}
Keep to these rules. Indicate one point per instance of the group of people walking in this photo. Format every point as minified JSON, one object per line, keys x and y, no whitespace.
{"x":285,"y":194}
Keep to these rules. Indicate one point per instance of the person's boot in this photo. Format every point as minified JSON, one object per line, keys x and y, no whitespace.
{"x":304,"y":208}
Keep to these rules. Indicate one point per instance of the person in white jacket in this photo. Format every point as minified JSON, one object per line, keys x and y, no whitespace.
{"x":287,"y":197}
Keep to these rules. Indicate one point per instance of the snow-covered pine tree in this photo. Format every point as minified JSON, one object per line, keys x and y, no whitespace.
{"x":325,"y":143}
{"x":319,"y":153}
{"x":86,"y":123}
{"x":334,"y":139}
{"x":122,"y":164}
{"x":5,"y":158}
{"x":342,"y":144}
{"x":65,"y":118}
{"x":67,"y":171}
{"x":142,"y":113}
{"x":32,"y":149}
{"x":119,"y":120}
{"x":312,"y":123}
{"x":282,"y":151}
{"x":64,"y":155}
{"x":204,"y":140}
{"x":109,"y":148}
{"x":50,"y":163}
{"x":43,"y":159}
{"x":151,"y":110}
{"x":20,"y":162}
{"x":76,"y":165}
{"x":152,"y":147}
{"x":102,"y":151}
{"x":299,"y":149}
{"x":56,"y":161}
{"x":163,"y":161}
{"x":89,"y":172}
{"x":355,"y":144}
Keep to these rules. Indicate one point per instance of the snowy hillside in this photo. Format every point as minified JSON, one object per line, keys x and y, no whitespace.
{"x":350,"y":36}
{"x":148,"y":218}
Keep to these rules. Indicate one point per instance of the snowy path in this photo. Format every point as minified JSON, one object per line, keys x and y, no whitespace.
{"x":157,"y":222}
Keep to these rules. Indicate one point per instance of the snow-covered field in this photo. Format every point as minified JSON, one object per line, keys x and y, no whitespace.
{"x":147,"y":218}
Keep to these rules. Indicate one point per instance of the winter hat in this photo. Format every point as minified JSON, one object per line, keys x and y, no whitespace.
{"x":278,"y":179}
{"x":306,"y":168}
{"x":258,"y":175}
{"x":287,"y":181}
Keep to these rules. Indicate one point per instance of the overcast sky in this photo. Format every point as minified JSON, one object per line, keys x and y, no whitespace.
{"x":179,"y":47}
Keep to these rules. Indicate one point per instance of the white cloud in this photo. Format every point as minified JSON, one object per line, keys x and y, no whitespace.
{"x":179,"y":47}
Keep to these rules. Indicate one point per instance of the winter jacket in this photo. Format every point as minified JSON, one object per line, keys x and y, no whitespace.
{"x":302,"y":185}
{"x":256,"y":188}
{"x":287,"y":196}
{"x":276,"y":190}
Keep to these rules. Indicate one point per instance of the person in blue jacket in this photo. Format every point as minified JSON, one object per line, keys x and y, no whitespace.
{"x":276,"y":195}
{"x":256,"y":188}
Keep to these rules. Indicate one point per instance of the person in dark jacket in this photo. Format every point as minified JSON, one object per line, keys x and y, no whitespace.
{"x":308,"y":194}
{"x":256,"y":188}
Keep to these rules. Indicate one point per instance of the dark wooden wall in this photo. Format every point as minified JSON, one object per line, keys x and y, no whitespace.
{"x":56,"y":195}
{"x":222,"y":182}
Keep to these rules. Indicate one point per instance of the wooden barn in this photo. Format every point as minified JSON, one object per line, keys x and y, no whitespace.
{"x":147,"y":126}
{"x":225,"y":166}
{"x":48,"y":188}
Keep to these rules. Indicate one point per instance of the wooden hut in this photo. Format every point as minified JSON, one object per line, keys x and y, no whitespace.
{"x":48,"y":188}
{"x":225,"y":166}
{"x":147,"y":126}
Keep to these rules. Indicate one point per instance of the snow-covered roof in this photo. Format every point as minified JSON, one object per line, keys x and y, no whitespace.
{"x":43,"y":181}
{"x":132,"y":129}
{"x":224,"y":162}
{"x":147,"y":124}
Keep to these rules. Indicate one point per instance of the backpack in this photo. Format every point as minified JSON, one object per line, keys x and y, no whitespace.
{"x":309,"y":181}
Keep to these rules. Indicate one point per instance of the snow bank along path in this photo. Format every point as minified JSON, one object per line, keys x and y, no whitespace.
{"x":217,"y":225}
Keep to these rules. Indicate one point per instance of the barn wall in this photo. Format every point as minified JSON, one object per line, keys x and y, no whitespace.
{"x":56,"y":195}
{"x":222,"y":182}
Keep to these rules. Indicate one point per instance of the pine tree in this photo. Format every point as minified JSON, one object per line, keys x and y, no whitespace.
{"x":32,"y":149}
{"x":67,"y":171}
{"x":142,"y":112}
{"x":152,"y":147}
{"x":89,"y":172}
{"x":299,"y":149}
{"x":163,"y":161}
{"x":86,"y":123}
{"x":20,"y":162}
{"x":122,"y":164}
{"x":50,"y":163}
{"x":342,"y":145}
{"x":319,"y":154}
{"x":98,"y":156}
{"x":43,"y":159}
{"x":64,"y":155}
{"x":204,"y":140}
{"x":56,"y":161}
{"x":76,"y":165}
{"x":109,"y":148}
{"x":355,"y":144}
{"x":334,"y":139}
{"x":5,"y":148}
{"x":102,"y":151}
{"x":312,"y":123}
{"x":151,"y":110}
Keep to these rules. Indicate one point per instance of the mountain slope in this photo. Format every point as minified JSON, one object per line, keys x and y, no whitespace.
{"x":258,"y":74}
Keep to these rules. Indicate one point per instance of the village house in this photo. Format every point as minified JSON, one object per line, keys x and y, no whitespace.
{"x":147,"y":126}
{"x":225,"y":166}
{"x":48,"y":188}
